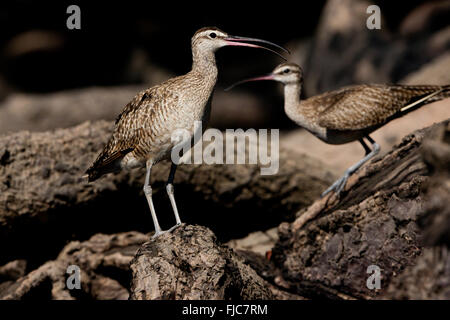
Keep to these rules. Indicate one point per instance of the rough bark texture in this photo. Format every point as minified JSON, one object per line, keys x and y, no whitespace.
{"x":104,"y":264}
{"x":190,"y":264}
{"x":42,"y":189}
{"x":327,"y":250}
{"x":435,"y":220}
{"x":429,"y":277}
{"x":388,"y":212}
{"x":12,"y":270}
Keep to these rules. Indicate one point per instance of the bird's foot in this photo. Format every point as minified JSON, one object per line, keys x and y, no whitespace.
{"x":337,"y":186}
{"x":174,"y":227}
{"x":160,"y":232}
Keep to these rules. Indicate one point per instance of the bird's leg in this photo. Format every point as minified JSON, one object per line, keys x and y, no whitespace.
{"x":366,"y":148}
{"x":148,"y":195}
{"x":170,"y":193}
{"x":339,"y":184}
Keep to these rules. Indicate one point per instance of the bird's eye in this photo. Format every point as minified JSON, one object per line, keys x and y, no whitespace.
{"x":286,"y":70}
{"x":212,"y":35}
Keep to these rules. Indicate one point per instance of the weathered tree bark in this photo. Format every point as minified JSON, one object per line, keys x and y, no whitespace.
{"x":387,"y":212}
{"x":327,"y":250}
{"x":189,"y":263}
{"x":42,"y":190}
{"x":12,"y":270}
{"x":429,"y":277}
{"x":104,"y":271}
{"x":435,"y":220}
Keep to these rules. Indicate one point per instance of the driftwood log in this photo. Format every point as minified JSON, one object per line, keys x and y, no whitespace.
{"x":382,"y":218}
{"x":103,"y":262}
{"x":42,"y":192}
{"x":327,"y":250}
{"x":189,"y":263}
{"x":393,"y":214}
{"x":429,"y":277}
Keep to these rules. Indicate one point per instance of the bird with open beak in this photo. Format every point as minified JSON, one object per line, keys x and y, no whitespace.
{"x":350,"y":113}
{"x":143,"y":131}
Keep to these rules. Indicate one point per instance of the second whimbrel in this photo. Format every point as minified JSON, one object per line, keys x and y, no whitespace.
{"x":143,"y":131}
{"x":350,"y":113}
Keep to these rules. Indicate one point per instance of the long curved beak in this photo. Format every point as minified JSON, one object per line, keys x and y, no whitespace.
{"x":269,"y":76}
{"x":243,"y":42}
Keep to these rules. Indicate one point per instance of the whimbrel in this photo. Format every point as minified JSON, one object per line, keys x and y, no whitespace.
{"x":143,"y":130}
{"x":350,"y":113}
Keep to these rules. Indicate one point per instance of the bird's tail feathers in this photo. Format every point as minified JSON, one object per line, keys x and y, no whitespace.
{"x":96,"y":171}
{"x":431,"y":94}
{"x":106,"y":164}
{"x":445,"y":92}
{"x":442,"y":92}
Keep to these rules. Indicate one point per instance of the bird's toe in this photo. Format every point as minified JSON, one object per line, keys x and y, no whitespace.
{"x":174,"y":227}
{"x":337,"y":186}
{"x":157,"y":234}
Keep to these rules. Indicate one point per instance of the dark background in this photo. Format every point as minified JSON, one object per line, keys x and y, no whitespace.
{"x":101,"y":52}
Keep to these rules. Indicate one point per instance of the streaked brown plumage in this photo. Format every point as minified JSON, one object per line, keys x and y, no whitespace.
{"x":143,"y":131}
{"x":350,"y":113}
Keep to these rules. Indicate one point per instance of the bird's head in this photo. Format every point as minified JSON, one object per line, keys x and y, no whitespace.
{"x":211,"y":39}
{"x":286,"y":73}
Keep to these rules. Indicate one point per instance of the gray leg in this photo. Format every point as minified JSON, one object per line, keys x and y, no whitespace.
{"x":339,"y":184}
{"x":170,"y":193}
{"x":148,"y":195}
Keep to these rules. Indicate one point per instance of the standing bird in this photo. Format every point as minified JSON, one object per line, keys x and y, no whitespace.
{"x":144,"y":130}
{"x":350,"y":113}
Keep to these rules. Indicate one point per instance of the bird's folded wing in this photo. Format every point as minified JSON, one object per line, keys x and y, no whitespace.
{"x":116,"y":149}
{"x":127,"y":130}
{"x":370,"y":105}
{"x":142,"y":98}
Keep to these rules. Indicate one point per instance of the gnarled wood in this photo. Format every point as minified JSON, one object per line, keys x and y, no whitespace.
{"x":103,"y":262}
{"x":189,"y":263}
{"x":42,"y":190}
{"x":327,"y":250}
